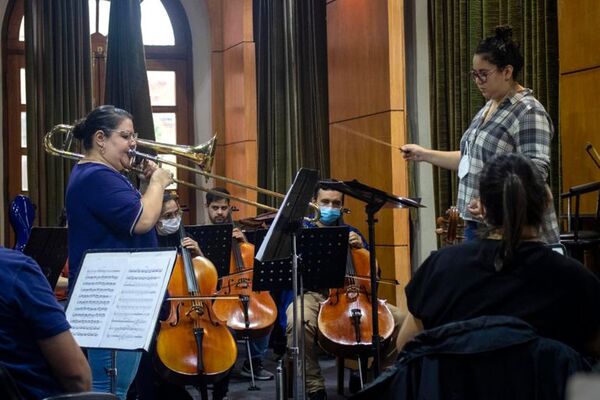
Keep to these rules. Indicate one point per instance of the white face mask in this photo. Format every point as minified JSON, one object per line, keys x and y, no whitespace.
{"x":168,"y":226}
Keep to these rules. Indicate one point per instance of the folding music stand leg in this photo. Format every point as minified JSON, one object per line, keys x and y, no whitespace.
{"x":297,"y":348}
{"x":252,"y":381}
{"x":112,"y":372}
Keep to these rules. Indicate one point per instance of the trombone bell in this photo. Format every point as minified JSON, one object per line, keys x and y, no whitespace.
{"x":202,"y":155}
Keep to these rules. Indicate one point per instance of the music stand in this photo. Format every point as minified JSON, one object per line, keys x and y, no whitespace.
{"x":48,"y":247}
{"x":215,"y":244}
{"x":375,"y":200}
{"x":281,"y":235}
{"x":322,"y":263}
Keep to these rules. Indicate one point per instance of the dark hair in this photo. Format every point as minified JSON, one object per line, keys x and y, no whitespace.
{"x":214,"y":197}
{"x":501,"y":50}
{"x":514,"y":196}
{"x":103,"y":118}
{"x":169,"y":195}
{"x":325,"y":185}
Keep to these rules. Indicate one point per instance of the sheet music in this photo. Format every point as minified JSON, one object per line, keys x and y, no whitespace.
{"x":117,"y":298}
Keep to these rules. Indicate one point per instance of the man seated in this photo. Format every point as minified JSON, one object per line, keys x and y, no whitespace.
{"x":36,"y":345}
{"x":219,"y":212}
{"x":331,"y":203}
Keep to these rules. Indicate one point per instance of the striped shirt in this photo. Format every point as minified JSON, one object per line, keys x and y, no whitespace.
{"x":519,"y":124}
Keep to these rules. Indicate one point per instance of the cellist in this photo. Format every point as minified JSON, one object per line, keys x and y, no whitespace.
{"x":331,"y":203}
{"x":219,"y":212}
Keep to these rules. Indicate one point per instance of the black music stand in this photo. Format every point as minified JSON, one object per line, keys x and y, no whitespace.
{"x":48,"y":247}
{"x":322,"y":262}
{"x":375,"y":200}
{"x":215,"y":243}
{"x":280,"y":242}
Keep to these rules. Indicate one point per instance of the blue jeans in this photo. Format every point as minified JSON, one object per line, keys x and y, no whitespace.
{"x":127,"y":363}
{"x":259,"y":347}
{"x":470,"y":231}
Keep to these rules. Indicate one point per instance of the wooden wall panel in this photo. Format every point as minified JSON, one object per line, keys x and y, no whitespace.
{"x":234,"y":95}
{"x":366,"y":96}
{"x":580,"y":124}
{"x":357,"y":37}
{"x":578,"y":36}
{"x":579,"y":104}
{"x":237,"y":21}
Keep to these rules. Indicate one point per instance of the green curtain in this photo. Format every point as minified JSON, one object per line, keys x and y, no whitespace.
{"x":126,"y":77}
{"x":58,"y":90}
{"x":455,"y":29}
{"x":293,"y":129}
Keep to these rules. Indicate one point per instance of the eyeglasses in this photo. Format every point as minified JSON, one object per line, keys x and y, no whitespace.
{"x":172,"y":214}
{"x":127,"y":135}
{"x":482,"y":75}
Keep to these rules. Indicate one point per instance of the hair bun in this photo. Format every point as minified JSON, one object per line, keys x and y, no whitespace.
{"x":79,"y":129}
{"x":504,"y":32}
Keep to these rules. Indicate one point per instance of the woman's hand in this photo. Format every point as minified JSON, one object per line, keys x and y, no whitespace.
{"x":161,"y":176}
{"x":474,"y":208}
{"x":414,"y":152}
{"x":192,"y":246}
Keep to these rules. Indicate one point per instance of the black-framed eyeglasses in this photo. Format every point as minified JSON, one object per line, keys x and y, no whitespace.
{"x":481,"y":75}
{"x":127,"y":135}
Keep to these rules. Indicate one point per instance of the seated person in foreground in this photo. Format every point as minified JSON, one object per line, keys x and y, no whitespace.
{"x":508,"y":271}
{"x":36,"y":346}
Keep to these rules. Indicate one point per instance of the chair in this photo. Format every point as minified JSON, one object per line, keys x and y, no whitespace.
{"x":8,"y":387}
{"x":491,"y":357}
{"x":84,"y":396}
{"x":580,"y":237}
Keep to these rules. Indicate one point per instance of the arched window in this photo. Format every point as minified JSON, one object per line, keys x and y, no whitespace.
{"x":167,"y":43}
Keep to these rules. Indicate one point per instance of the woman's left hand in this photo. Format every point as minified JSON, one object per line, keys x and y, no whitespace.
{"x":148,"y":168}
{"x":192,"y":246}
{"x":474,"y":208}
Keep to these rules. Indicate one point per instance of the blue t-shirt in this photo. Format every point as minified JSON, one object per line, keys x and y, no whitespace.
{"x":28,"y":312}
{"x":103,"y":208}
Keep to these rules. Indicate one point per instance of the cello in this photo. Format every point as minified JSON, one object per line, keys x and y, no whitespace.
{"x":255,"y":313}
{"x":193,"y":344}
{"x":344,"y":324}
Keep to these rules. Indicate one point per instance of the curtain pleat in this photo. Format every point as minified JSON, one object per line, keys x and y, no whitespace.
{"x":126,"y":76}
{"x":291,"y":135}
{"x":455,"y":29}
{"x":58,"y":90}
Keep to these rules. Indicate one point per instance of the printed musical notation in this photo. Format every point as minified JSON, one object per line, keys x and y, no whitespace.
{"x":117,"y":298}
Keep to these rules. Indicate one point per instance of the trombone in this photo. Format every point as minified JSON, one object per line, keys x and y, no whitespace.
{"x":201,"y":155}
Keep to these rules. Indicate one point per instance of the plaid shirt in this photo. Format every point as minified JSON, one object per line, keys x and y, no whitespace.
{"x":519,"y":124}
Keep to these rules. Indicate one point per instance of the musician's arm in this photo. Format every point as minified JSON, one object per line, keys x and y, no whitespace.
{"x":410,"y":328}
{"x":67,"y":362}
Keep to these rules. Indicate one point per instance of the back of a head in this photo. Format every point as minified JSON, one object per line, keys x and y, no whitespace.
{"x":103,"y":118}
{"x":514,"y":196}
{"x":501,"y":50}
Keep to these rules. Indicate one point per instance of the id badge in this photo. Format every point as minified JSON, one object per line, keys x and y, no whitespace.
{"x":463,"y":166}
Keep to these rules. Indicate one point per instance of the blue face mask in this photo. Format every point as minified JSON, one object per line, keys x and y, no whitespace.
{"x":329,"y":215}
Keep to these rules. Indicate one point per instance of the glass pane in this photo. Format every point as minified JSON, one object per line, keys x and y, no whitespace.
{"x":104,"y":14}
{"x":22,"y":85}
{"x":24,"y":183}
{"x":165,"y":131}
{"x":165,"y":127}
{"x":162,"y":88}
{"x":23,"y":129}
{"x":22,"y":30}
{"x":156,"y":24}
